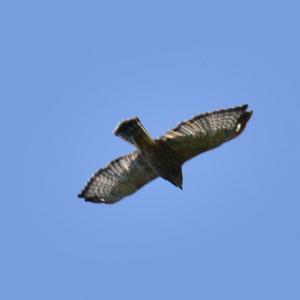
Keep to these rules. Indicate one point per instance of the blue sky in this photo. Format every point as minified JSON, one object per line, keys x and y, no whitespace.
{"x":70,"y":71}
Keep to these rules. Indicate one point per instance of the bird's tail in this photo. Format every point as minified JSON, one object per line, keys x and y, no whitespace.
{"x":133,"y":131}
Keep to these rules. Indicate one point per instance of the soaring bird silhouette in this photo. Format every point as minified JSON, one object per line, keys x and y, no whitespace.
{"x":162,"y":157}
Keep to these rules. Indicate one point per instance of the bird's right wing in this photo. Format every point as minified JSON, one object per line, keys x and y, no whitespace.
{"x":206,"y":131}
{"x":118,"y":179}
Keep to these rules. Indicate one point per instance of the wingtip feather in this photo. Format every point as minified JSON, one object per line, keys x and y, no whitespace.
{"x":244,"y":118}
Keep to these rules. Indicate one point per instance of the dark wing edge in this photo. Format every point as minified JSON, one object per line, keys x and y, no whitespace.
{"x":121,"y":177}
{"x":206,"y":131}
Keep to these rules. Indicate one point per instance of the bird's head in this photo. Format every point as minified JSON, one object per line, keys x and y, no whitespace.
{"x":174,"y":175}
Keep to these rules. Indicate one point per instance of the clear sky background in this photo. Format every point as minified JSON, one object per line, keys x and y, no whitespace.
{"x":70,"y":71}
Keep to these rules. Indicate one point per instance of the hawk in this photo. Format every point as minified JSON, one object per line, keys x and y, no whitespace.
{"x":162,"y":157}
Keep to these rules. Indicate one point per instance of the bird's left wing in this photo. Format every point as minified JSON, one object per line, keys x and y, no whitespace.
{"x":118,"y":179}
{"x":206,"y":131}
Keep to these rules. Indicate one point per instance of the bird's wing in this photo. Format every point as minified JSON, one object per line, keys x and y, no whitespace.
{"x":118,"y":179}
{"x":206,"y":131}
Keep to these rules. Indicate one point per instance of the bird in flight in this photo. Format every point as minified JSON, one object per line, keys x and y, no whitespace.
{"x":162,"y":157}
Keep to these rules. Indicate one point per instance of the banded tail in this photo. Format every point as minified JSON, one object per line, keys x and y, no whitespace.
{"x":133,"y":131}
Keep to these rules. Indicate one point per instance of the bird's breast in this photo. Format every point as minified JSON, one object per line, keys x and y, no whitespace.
{"x":160,"y":157}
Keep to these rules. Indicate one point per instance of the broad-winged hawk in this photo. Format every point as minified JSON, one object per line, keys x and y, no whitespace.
{"x":162,"y":157}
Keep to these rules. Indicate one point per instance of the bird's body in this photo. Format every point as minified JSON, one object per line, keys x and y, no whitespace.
{"x":162,"y":157}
